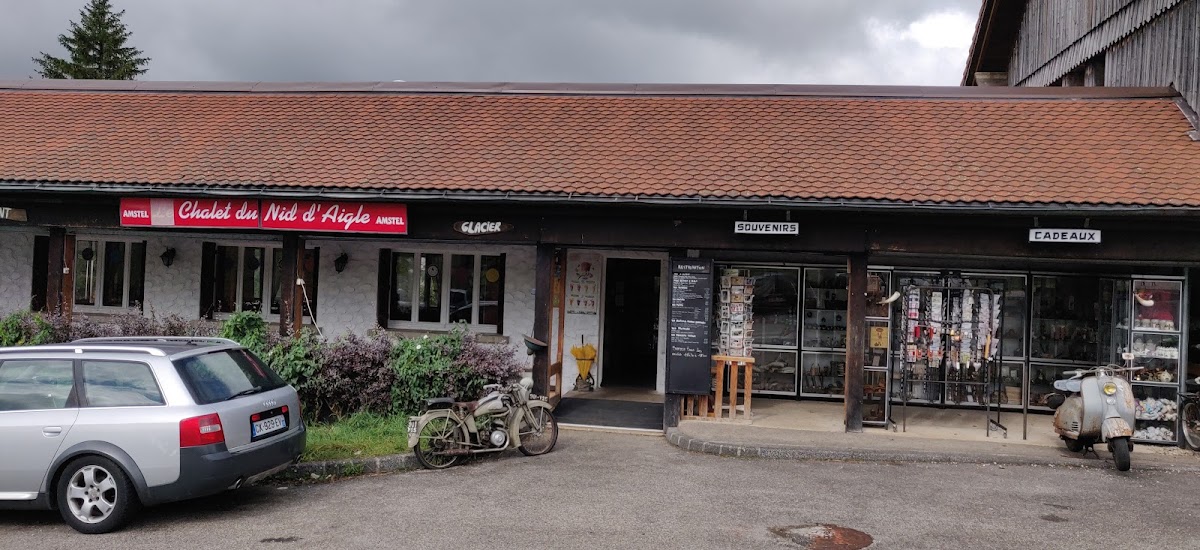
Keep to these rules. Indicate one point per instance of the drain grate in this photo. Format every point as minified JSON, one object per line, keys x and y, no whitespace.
{"x":824,"y":536}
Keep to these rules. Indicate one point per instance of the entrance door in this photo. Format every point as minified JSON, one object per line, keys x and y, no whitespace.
{"x":631,"y":323}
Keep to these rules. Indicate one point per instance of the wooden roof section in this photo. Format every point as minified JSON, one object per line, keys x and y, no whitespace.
{"x":831,"y":145}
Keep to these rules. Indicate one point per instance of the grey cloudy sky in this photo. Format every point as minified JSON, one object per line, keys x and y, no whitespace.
{"x":714,"y":41}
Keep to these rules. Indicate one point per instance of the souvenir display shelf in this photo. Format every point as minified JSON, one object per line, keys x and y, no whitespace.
{"x":1155,"y":344}
{"x":823,"y":332}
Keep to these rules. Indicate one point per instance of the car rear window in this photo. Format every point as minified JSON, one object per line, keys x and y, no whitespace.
{"x":218,"y":376}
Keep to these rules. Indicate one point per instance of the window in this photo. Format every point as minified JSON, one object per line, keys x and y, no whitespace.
{"x":109,"y":273}
{"x":219,"y":376}
{"x":120,"y":384}
{"x":37,"y":384}
{"x":437,"y":288}
{"x":241,"y":276}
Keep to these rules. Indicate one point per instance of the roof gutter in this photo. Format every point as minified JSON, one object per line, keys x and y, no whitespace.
{"x":878,"y":205}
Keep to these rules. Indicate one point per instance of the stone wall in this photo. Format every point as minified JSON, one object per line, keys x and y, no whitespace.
{"x":16,"y":270}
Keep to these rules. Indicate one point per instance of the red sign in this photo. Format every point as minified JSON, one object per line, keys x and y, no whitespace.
{"x":211,"y":213}
{"x":340,"y":217}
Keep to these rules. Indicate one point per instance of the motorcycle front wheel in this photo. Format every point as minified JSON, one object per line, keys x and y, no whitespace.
{"x":1191,"y":424}
{"x":440,"y":435}
{"x":1120,"y":452}
{"x":538,"y":437}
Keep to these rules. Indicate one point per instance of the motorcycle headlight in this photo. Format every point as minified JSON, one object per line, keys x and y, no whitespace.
{"x":1110,"y":388}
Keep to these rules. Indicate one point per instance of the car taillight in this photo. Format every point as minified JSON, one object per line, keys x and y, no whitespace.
{"x":201,"y":430}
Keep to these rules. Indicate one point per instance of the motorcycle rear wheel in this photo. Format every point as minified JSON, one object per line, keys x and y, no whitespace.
{"x":1191,"y":424}
{"x":437,"y":436}
{"x":539,"y":438}
{"x":1120,"y":452}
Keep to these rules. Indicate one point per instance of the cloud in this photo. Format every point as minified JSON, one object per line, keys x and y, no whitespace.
{"x":797,"y":41}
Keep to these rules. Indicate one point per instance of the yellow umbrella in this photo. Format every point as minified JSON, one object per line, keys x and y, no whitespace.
{"x":584,"y":355}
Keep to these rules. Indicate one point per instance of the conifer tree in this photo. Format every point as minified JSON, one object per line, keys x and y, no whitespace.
{"x":96,"y":48}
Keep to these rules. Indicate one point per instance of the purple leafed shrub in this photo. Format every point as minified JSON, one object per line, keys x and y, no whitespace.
{"x":485,"y":364}
{"x":354,"y":375}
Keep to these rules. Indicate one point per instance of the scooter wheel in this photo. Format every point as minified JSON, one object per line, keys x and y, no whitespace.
{"x":1120,"y":452}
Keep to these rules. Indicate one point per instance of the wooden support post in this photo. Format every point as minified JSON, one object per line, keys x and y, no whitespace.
{"x":291,"y":297}
{"x":543,"y":303}
{"x":672,"y":407}
{"x":856,"y":340}
{"x":60,"y":273}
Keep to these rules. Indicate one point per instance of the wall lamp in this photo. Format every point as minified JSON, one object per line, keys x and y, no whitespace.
{"x":339,"y":263}
{"x":167,"y":257}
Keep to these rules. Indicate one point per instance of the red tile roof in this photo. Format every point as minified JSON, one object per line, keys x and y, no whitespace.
{"x":834,"y":144}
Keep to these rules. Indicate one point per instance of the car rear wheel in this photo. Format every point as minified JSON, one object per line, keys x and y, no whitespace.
{"x":95,"y":496}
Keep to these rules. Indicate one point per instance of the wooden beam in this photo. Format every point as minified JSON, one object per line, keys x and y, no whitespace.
{"x":543,"y":302}
{"x":856,"y":340}
{"x":291,"y":312}
{"x":60,"y":276}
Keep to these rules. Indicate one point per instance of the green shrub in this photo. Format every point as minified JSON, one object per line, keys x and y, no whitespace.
{"x":424,"y":369}
{"x":248,"y":329}
{"x":25,"y":328}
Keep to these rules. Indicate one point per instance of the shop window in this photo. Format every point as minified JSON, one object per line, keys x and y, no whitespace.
{"x":437,"y":289}
{"x":240,"y":276}
{"x":109,"y":274}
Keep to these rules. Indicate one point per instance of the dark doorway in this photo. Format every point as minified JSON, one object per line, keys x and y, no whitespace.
{"x":631,"y":323}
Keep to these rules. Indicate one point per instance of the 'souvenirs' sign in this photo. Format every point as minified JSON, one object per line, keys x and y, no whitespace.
{"x":1085,"y":236}
{"x":767,"y":228}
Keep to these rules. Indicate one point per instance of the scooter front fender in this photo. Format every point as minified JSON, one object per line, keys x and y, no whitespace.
{"x":1116,"y":427}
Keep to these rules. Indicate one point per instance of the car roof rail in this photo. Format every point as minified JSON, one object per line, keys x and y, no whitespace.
{"x":81,"y":348}
{"x":157,"y":339}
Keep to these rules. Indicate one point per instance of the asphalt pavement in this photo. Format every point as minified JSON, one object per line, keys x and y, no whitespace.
{"x":606,"y":490}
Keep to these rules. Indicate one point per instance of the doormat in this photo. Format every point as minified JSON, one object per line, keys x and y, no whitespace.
{"x":608,"y":412}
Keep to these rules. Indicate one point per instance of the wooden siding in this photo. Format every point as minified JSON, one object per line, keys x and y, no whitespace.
{"x":1165,"y":52}
{"x":1059,"y":36}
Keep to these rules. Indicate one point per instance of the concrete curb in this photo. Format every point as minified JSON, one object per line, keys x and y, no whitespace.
{"x":799,"y":452}
{"x":352,"y":466}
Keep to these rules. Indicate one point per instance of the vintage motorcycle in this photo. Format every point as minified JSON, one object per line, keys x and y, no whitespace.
{"x":507,"y":416}
{"x":1096,"y":405}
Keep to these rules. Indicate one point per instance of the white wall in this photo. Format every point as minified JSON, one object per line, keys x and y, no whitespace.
{"x":173,"y":290}
{"x":16,"y":270}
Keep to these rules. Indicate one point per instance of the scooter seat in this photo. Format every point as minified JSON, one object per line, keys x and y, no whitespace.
{"x":1071,"y":385}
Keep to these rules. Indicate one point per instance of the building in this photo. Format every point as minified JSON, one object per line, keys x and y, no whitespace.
{"x":1099,"y":43}
{"x":881,"y":245}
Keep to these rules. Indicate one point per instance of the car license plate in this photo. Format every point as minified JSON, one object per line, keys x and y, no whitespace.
{"x":268,"y":425}
{"x":412,"y":432}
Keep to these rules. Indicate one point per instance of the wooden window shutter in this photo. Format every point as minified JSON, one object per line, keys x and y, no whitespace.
{"x":208,"y":260}
{"x":41,"y":270}
{"x":383,"y":298}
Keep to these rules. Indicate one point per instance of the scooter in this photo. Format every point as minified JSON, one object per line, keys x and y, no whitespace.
{"x":1096,"y":405}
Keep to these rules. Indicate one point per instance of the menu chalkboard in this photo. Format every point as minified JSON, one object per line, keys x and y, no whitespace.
{"x":689,"y":356}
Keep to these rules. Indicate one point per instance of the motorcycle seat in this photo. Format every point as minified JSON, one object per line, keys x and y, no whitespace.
{"x":439,"y":403}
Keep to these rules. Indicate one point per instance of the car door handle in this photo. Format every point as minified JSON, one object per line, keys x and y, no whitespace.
{"x":51,"y":431}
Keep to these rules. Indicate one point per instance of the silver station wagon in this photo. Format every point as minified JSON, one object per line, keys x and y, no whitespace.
{"x":99,"y":427}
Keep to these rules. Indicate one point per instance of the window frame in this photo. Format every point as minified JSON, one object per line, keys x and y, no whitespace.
{"x":81,"y":384}
{"x":268,"y":267}
{"x":443,"y":322}
{"x":101,"y":267}
{"x":72,"y":401}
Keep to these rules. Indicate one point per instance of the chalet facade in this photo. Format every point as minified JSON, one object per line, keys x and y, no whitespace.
{"x":1100,"y":43}
{"x":838,"y":224}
